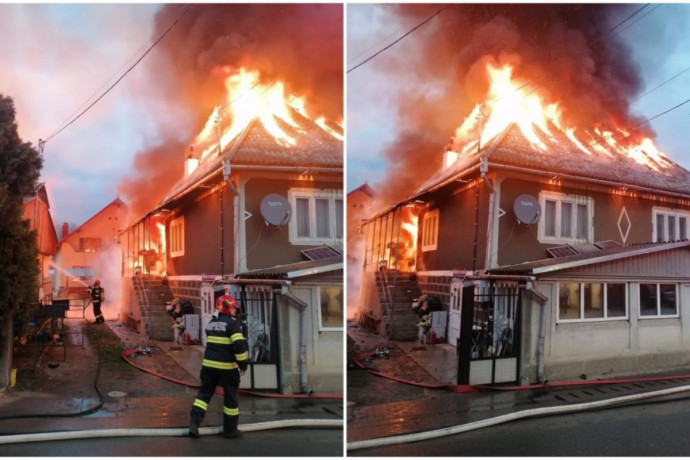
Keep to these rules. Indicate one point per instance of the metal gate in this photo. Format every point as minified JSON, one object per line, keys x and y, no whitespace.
{"x":490,"y":333}
{"x":259,"y":307}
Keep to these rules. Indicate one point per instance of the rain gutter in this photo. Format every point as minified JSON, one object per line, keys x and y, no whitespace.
{"x":605,"y":182}
{"x":315,"y":270}
{"x":452,"y":178}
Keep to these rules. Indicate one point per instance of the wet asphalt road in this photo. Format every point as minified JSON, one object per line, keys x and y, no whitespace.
{"x":324,"y":442}
{"x":652,"y":429}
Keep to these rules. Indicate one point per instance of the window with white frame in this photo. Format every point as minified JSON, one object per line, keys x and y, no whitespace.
{"x":658,"y":300}
{"x":331,"y":308}
{"x":592,"y":301}
{"x":669,"y":225}
{"x":430,"y":231}
{"x":565,"y":218}
{"x":317,"y":216}
{"x":177,"y":237}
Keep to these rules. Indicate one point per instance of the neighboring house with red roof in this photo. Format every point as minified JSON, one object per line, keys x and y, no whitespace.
{"x":37,"y":212}
{"x":552,"y":263}
{"x":265,"y":222}
{"x":80,"y":251}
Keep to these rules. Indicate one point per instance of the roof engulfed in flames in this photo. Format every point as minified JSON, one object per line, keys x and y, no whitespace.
{"x":513,"y":102}
{"x":518,"y":127}
{"x":247,"y":99}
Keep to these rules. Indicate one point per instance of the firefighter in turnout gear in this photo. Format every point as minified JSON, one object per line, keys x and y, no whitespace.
{"x":225,"y":360}
{"x":97,"y":294}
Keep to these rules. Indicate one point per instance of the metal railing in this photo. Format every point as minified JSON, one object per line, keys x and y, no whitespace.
{"x":141,"y":293}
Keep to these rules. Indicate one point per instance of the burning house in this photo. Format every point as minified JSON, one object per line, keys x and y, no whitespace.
{"x":258,"y":214}
{"x":242,"y":192}
{"x":559,"y":251}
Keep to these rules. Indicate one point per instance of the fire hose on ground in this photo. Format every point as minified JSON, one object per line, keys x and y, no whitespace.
{"x":474,"y":388}
{"x":129,"y":352}
{"x":121,"y":432}
{"x":538,"y":412}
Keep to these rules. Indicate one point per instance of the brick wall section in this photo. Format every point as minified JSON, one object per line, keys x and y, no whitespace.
{"x":438,"y":286}
{"x":187,"y":290}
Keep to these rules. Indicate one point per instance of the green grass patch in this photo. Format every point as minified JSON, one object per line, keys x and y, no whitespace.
{"x":108,"y":345}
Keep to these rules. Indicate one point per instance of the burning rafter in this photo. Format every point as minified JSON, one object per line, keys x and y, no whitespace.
{"x":536,"y":119}
{"x":247,"y":99}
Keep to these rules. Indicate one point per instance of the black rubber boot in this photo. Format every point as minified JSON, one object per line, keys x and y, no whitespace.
{"x":234,"y":435}
{"x":194,"y":429}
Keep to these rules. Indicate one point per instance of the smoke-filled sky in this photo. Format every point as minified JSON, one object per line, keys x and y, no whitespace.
{"x":56,"y":57}
{"x":405,"y":104}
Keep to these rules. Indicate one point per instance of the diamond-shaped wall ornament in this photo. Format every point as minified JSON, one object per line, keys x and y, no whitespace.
{"x":624,"y":225}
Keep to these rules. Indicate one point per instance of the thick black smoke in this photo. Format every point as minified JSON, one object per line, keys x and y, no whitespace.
{"x":569,"y":53}
{"x":300,"y":44}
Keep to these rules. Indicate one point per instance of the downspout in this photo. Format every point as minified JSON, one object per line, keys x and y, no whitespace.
{"x":239,"y":223}
{"x":483,"y":169}
{"x":542,"y":299}
{"x":302,"y":360}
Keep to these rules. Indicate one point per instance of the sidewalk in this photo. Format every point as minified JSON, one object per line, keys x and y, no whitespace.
{"x":380,"y":407}
{"x":131,"y":398}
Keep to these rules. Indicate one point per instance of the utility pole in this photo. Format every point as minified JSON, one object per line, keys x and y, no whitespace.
{"x":220,"y":151}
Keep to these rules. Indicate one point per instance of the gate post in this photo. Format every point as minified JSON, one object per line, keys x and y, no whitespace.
{"x":465,"y":341}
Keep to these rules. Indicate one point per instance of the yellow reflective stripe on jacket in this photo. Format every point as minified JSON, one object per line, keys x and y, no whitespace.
{"x":220,"y":340}
{"x":236,"y":337}
{"x":201,"y":404}
{"x":228,"y":411}
{"x":242,"y":356}
{"x":218,"y":364}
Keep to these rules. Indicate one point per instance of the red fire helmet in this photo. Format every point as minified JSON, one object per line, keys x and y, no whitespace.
{"x":225,"y":303}
{"x":97,"y":283}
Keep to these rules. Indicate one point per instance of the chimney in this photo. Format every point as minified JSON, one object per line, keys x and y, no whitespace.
{"x":450,"y":156}
{"x":191,"y":161}
{"x":65,"y":230}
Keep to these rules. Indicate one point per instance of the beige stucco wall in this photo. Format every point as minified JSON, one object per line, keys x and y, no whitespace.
{"x":605,"y":349}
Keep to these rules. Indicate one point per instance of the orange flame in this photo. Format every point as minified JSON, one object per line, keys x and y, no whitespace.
{"x":248,"y":99}
{"x":161,"y":231}
{"x":321,"y":121}
{"x":534,"y":117}
{"x":410,"y":230}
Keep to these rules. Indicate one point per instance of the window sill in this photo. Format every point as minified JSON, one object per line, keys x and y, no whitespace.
{"x":315,"y":242}
{"x":549,"y":240}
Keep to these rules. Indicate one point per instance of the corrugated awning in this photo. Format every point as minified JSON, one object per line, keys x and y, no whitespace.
{"x":605,"y":255}
{"x":296,"y":270}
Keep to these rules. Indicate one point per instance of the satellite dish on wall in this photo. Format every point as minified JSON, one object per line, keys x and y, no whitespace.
{"x":276,"y":209}
{"x":527,"y":209}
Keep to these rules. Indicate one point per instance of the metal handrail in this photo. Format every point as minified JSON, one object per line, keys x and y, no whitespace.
{"x":387,"y":297}
{"x":139,"y":285}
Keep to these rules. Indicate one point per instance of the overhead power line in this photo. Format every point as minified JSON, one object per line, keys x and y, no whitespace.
{"x":590,"y":42}
{"x":437,"y":12}
{"x":392,"y":34}
{"x":644,"y":122}
{"x":163,"y":35}
{"x":660,"y":85}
